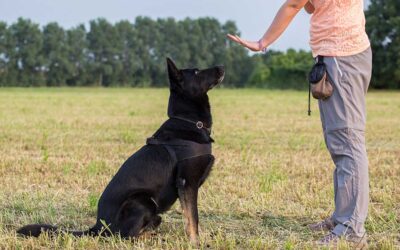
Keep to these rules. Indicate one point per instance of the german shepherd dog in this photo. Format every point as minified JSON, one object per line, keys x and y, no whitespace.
{"x":173,"y":164}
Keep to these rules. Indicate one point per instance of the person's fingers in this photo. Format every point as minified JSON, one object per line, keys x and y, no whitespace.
{"x":246,"y":43}
{"x":243,"y":42}
{"x":239,"y":39}
{"x":233,"y":38}
{"x":230,"y":36}
{"x":250,"y":45}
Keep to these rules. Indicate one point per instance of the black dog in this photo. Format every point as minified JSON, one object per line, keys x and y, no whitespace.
{"x":175,"y":162}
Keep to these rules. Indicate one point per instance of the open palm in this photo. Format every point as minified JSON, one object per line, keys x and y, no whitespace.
{"x":251,"y":45}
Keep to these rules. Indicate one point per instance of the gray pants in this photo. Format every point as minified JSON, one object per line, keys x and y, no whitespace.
{"x":343,"y":118}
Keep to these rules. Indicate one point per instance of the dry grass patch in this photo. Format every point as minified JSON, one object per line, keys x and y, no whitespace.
{"x":273,"y":175}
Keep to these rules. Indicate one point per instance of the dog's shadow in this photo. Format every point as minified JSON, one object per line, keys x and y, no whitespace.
{"x":262,"y":223}
{"x":280,"y":222}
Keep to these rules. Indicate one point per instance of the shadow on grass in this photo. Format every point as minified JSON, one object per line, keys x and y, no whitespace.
{"x":282,"y":226}
{"x":285,"y":222}
{"x":277,"y":225}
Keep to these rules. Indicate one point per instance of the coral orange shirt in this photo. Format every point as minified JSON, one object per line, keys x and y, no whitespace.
{"x":338,"y":28}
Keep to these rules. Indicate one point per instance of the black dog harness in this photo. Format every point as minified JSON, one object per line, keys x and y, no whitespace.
{"x":180,"y":149}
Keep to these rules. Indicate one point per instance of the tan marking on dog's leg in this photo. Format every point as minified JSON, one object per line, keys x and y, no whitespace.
{"x":188,"y":199}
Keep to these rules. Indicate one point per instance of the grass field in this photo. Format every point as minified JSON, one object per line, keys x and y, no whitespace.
{"x":273,"y":174}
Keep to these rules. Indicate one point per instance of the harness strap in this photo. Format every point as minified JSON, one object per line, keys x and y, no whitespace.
{"x":182,"y":149}
{"x":170,"y":150}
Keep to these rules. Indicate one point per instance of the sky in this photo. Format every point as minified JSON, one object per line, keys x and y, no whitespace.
{"x":251,"y":16}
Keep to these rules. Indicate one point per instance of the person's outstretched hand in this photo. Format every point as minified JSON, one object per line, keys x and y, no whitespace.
{"x":251,"y":45}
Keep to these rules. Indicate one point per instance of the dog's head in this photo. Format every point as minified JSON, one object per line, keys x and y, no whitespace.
{"x":193,"y":83}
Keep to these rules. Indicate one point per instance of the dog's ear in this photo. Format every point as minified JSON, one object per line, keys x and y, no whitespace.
{"x":174,"y":74}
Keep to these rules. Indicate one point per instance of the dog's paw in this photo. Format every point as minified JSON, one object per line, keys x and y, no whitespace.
{"x":194,"y":241}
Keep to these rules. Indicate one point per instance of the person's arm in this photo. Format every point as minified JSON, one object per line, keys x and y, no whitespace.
{"x":281,"y":21}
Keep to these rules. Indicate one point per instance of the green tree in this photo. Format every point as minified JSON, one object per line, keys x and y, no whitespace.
{"x":260,"y":75}
{"x":3,"y":53}
{"x":172,"y":41}
{"x":24,"y":53}
{"x":147,"y":39}
{"x":77,"y":56}
{"x":55,"y":53}
{"x":103,"y":52}
{"x":126,"y":53}
{"x":288,"y":70}
{"x":383,"y":28}
{"x":238,"y":64}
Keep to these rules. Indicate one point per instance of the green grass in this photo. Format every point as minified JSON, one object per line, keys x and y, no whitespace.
{"x":272,"y":176}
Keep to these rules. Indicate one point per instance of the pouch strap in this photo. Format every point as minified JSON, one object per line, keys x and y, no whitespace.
{"x":309,"y":99}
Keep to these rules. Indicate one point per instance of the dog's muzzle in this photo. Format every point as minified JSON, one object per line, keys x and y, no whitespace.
{"x":221,"y":73}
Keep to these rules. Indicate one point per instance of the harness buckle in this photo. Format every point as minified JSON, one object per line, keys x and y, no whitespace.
{"x":199,"y":125}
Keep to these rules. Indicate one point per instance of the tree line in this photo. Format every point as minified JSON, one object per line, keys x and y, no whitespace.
{"x":120,"y":54}
{"x":133,"y":53}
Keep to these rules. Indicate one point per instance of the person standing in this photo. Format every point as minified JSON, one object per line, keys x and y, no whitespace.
{"x":337,"y":32}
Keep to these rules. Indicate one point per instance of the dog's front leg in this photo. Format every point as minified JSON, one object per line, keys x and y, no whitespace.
{"x":188,"y":199}
{"x":191,"y":174}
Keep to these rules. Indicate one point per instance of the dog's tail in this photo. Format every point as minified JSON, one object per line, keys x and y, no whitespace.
{"x":34,"y":230}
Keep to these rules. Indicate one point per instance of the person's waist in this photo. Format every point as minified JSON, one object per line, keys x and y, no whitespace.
{"x":343,"y":37}
{"x":332,"y":50}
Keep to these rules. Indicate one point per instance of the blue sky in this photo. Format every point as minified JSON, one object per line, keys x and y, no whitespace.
{"x":251,"y":16}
